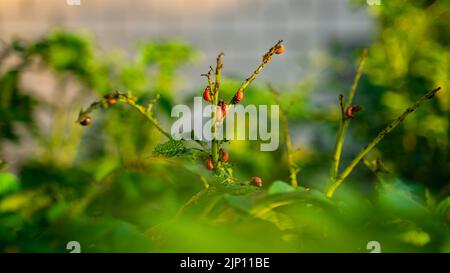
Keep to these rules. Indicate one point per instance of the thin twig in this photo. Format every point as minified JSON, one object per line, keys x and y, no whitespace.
{"x":265,"y":60}
{"x":377,"y":139}
{"x":191,"y":201}
{"x":293,"y":168}
{"x":362,"y":63}
{"x":342,"y":106}
{"x":149,"y":115}
{"x":130,"y":100}
{"x":215,"y":102}
{"x":210,"y":81}
{"x":219,"y":66}
{"x":344,"y":123}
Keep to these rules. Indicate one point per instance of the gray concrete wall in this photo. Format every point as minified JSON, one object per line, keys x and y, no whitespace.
{"x":243,"y":29}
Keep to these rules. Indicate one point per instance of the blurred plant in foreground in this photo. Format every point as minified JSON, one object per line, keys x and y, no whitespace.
{"x":116,"y":187}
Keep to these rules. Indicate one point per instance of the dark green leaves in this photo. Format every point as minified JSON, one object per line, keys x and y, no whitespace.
{"x":170,"y":148}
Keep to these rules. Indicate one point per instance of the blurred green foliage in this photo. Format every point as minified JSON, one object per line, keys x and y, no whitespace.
{"x":410,"y":53}
{"x":118,"y":187}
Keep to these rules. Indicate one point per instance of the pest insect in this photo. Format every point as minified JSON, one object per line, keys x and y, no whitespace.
{"x":207,"y":94}
{"x":256,"y":181}
{"x":280,"y":49}
{"x":224,"y":155}
{"x":221,"y":110}
{"x":111,"y":101}
{"x":85,"y":121}
{"x":351,"y":111}
{"x":209,"y":163}
{"x":238,"y":97}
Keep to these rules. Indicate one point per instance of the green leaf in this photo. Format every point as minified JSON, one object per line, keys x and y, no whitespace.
{"x":243,"y":203}
{"x":415,"y":237}
{"x":57,"y":211}
{"x":8,"y":183}
{"x":398,"y":199}
{"x":278,"y":187}
{"x":170,"y":148}
{"x":443,"y":207}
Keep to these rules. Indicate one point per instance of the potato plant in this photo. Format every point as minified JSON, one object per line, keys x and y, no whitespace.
{"x":120,"y":182}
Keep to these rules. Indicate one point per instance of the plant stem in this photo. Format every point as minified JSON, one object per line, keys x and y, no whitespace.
{"x":148,"y":114}
{"x":210,"y":82}
{"x":215,"y":102}
{"x":344,"y":123}
{"x":377,"y":139}
{"x":266,"y":59}
{"x":293,"y":168}
{"x":338,"y":149}
{"x":362,"y":63}
{"x":219,"y":66}
{"x":192,"y":201}
{"x":215,"y":94}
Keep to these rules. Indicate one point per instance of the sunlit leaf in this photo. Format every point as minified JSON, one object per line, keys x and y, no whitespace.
{"x":280,"y":187}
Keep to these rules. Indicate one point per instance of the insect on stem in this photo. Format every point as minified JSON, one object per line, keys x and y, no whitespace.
{"x":377,"y":139}
{"x":265,"y":60}
{"x":215,"y":142}
{"x":344,"y":123}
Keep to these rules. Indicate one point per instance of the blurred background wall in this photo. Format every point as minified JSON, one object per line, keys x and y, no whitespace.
{"x":242,"y":29}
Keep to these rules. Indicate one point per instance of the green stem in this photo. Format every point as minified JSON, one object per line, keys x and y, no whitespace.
{"x":377,"y":139}
{"x":131,"y":101}
{"x":147,"y":114}
{"x":293,"y":168}
{"x":266,"y":59}
{"x":192,"y":201}
{"x":362,"y":63}
{"x":215,"y":102}
{"x":338,"y":149}
{"x":345,"y":122}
